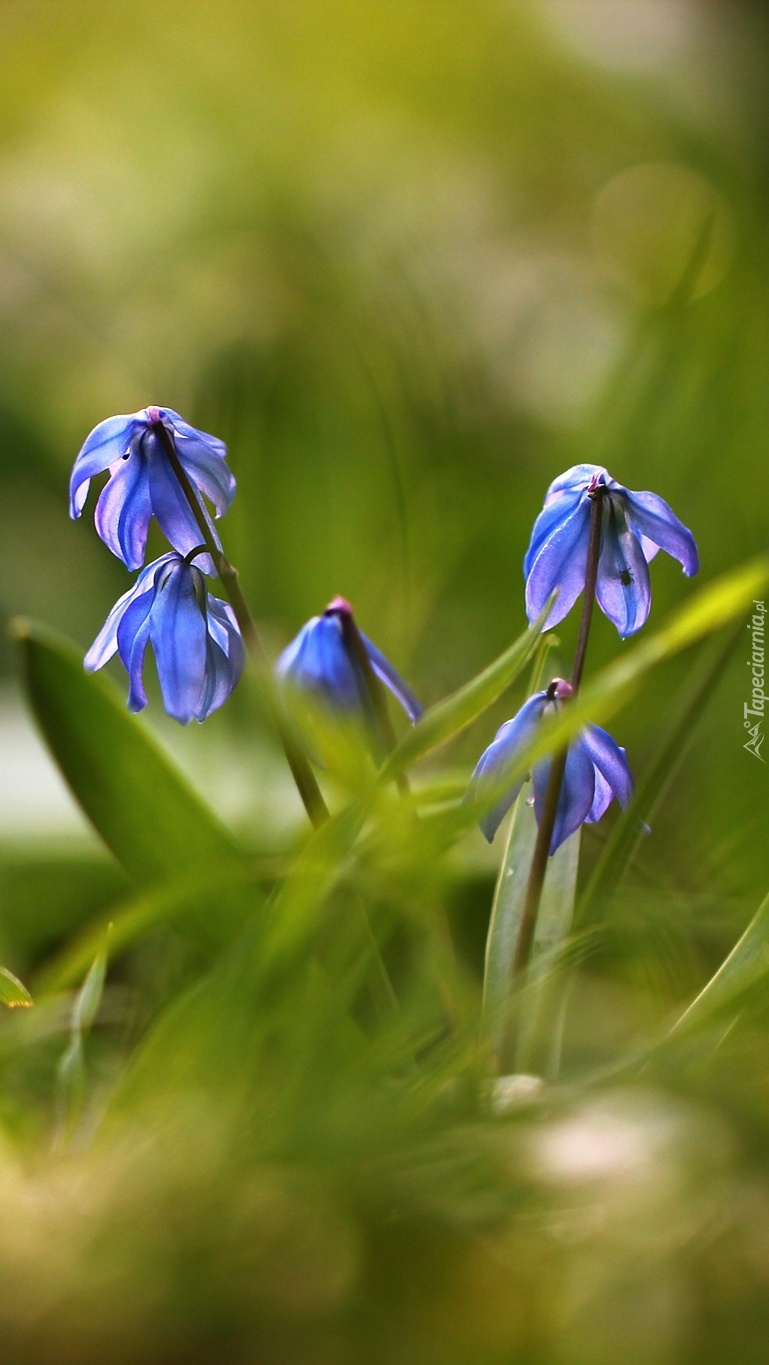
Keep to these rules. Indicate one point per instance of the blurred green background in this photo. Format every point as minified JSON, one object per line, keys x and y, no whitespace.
{"x":410,"y":261}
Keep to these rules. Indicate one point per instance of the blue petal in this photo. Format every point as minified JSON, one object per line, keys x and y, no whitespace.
{"x":218,"y":680}
{"x":208,"y":473}
{"x":123,"y":511}
{"x":560,"y":563}
{"x":392,"y":679}
{"x":224,"y":629}
{"x":610,"y":759}
{"x":107,"y":443}
{"x":179,"y":639}
{"x":225,"y":656}
{"x":170,"y":506}
{"x":190,"y":433}
{"x":649,"y":549}
{"x":577,"y":793}
{"x":317,"y":663}
{"x":499,"y":759}
{"x":553,"y":515}
{"x":105,"y":644}
{"x":602,"y":799}
{"x":651,"y":517}
{"x":204,"y":459}
{"x":622,"y":590}
{"x":133,"y":636}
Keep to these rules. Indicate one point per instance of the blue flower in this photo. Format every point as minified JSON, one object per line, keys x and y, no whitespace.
{"x":142,"y":483}
{"x":195,"y":638}
{"x":321,"y":667}
{"x":634,"y":527}
{"x":596,"y":770}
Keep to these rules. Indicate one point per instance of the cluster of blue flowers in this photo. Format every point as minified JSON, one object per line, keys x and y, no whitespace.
{"x":634,"y":526}
{"x":195,"y":637}
{"x":160,"y":466}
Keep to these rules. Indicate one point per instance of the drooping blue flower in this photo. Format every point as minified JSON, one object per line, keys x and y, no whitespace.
{"x":634,"y":526}
{"x":142,"y":483}
{"x":194,"y":636}
{"x":596,"y":770}
{"x":320,"y":667}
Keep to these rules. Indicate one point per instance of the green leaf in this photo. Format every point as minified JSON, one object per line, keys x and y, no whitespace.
{"x":523,"y":1026}
{"x":12,"y":992}
{"x":233,"y":888}
{"x":89,"y":996}
{"x":628,"y":830}
{"x":613,"y":687}
{"x":610,"y":690}
{"x":444,"y":720}
{"x":746,"y":967}
{"x":71,"y":1073}
{"x":135,"y":798}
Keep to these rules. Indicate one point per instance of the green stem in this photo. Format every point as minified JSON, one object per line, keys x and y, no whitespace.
{"x":301,"y":771}
{"x":541,"y":852}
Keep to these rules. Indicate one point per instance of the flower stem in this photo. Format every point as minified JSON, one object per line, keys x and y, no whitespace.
{"x":301,"y":771}
{"x":541,"y":852}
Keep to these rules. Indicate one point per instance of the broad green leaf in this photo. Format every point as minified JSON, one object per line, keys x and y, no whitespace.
{"x":12,"y":992}
{"x":136,"y":799}
{"x":444,"y":720}
{"x":523,"y":1023}
{"x":746,"y":967}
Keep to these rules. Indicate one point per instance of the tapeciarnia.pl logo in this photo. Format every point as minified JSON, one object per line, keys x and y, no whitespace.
{"x":753,"y":711}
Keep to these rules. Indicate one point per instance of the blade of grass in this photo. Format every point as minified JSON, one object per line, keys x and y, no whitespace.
{"x":71,"y":1071}
{"x":628,"y":830}
{"x":614,"y":686}
{"x":232,"y":888}
{"x":444,"y":720}
{"x":746,"y":968}
{"x":12,"y":993}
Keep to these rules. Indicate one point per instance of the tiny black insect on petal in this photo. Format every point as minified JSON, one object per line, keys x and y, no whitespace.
{"x":626,"y":578}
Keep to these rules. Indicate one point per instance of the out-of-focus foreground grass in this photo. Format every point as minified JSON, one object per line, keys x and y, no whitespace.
{"x":410,"y":261}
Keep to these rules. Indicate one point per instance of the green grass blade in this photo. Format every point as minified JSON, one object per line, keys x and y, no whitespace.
{"x":614,"y":686}
{"x":12,"y":992}
{"x":627,"y":833}
{"x":746,"y":968}
{"x":89,"y":996}
{"x":714,"y":606}
{"x":137,"y":801}
{"x":71,"y":1072}
{"x":444,"y":720}
{"x":233,"y":888}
